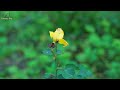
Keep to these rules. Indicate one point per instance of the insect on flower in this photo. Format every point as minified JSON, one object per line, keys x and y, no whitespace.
{"x":52,"y":45}
{"x":57,"y":37}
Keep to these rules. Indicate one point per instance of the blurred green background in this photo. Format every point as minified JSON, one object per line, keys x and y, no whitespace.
{"x":93,"y":37}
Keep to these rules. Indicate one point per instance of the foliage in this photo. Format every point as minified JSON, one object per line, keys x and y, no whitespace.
{"x":93,"y":37}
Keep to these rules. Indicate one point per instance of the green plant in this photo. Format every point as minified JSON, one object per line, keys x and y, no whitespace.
{"x":70,"y":71}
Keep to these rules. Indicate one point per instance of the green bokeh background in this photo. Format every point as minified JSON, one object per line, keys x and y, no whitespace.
{"x":93,"y":37}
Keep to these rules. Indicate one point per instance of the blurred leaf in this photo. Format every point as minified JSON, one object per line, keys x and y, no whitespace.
{"x":3,"y":40}
{"x":89,"y":28}
{"x":60,"y":76}
{"x":70,"y":71}
{"x":48,"y":76}
{"x":48,"y":52}
{"x":29,"y":53}
{"x":95,"y":40}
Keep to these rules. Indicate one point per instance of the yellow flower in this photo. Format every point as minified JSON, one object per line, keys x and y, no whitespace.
{"x":57,"y":36}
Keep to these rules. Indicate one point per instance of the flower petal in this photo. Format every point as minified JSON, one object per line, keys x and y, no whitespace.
{"x":62,"y":41}
{"x":59,"y":34}
{"x":51,"y":34}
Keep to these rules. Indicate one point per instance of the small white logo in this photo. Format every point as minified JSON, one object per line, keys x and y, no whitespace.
{"x":5,"y":15}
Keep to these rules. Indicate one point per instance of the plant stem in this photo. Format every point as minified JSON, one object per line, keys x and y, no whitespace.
{"x":56,"y":61}
{"x":56,"y":69}
{"x":55,"y":58}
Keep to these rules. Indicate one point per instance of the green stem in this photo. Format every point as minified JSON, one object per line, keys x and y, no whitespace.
{"x":55,"y":58}
{"x":56,"y":70}
{"x":56,"y":62}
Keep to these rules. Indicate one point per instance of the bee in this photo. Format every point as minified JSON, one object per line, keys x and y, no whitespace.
{"x":49,"y":52}
{"x":52,"y":45}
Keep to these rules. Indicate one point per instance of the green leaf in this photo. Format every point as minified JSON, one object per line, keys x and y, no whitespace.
{"x":48,"y":52}
{"x":48,"y":76}
{"x":29,"y":53}
{"x":58,"y":52}
{"x":72,"y":71}
{"x":90,"y":28}
{"x":83,"y":72}
{"x":3,"y":39}
{"x":79,"y":77}
{"x":59,"y":71}
{"x":13,"y":69}
{"x":60,"y":76}
{"x":68,"y":73}
{"x":72,"y":66}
